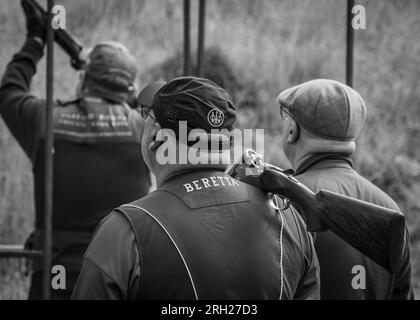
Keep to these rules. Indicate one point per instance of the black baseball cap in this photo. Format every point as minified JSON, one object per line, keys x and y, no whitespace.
{"x":199,"y":101}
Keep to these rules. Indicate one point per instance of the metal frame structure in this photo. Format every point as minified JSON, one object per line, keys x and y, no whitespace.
{"x":187,"y":38}
{"x":49,"y":157}
{"x":201,"y":38}
{"x":18,"y":251}
{"x":349,"y":44}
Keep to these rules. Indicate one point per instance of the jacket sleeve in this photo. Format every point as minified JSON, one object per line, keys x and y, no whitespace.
{"x":94,"y":284}
{"x":403,"y":289}
{"x":21,"y":111}
{"x":111,"y":265}
{"x":309,"y":284}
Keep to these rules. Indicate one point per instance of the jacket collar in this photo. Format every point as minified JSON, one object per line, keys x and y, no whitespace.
{"x":325,"y":160}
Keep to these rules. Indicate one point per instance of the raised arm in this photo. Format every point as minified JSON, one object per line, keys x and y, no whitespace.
{"x":21,"y":111}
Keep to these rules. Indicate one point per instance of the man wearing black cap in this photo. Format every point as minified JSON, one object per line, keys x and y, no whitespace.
{"x":97,"y":161}
{"x":201,"y":234}
{"x":322,"y":119}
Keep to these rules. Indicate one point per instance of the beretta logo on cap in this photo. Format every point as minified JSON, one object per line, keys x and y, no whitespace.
{"x":215,"y":117}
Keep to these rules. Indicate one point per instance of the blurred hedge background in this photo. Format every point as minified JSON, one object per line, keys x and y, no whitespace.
{"x":255,"y":49}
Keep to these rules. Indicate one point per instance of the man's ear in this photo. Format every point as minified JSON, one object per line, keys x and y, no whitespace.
{"x":81,"y":82}
{"x":155,"y":143}
{"x":293,"y":134}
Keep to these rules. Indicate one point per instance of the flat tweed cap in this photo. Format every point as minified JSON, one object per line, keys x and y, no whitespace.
{"x":326,"y":108}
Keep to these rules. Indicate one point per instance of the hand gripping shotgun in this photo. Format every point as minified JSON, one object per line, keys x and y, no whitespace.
{"x":377,"y":232}
{"x":78,"y":54}
{"x":69,"y":44}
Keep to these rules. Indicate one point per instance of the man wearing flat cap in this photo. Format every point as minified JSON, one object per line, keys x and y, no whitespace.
{"x":97,"y":161}
{"x":322,"y":119}
{"x":201,"y":234}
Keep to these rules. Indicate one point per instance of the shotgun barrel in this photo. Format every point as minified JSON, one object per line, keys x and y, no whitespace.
{"x":68,"y":43}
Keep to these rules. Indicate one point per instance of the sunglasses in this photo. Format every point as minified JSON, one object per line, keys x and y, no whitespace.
{"x":145,"y":112}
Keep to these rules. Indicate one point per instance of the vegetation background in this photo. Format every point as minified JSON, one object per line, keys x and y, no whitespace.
{"x":255,"y":49}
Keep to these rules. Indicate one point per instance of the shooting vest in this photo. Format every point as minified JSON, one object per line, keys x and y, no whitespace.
{"x":97,"y":166}
{"x":204,"y":235}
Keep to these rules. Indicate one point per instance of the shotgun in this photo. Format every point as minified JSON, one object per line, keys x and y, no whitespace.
{"x":377,"y":232}
{"x":68,"y":43}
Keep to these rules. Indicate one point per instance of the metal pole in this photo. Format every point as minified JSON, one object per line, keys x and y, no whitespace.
{"x":201,"y":36}
{"x":18,"y":251}
{"x":187,"y":42}
{"x":49,"y":145}
{"x":350,"y":44}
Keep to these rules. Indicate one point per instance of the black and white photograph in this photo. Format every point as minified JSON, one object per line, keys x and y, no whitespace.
{"x":218,"y":150}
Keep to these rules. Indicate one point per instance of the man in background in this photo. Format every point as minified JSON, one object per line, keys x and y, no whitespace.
{"x":97,"y":159}
{"x":201,"y":234}
{"x":322,"y":119}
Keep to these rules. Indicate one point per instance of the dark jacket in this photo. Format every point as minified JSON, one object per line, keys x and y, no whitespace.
{"x":97,"y":158}
{"x":201,"y":235}
{"x":339,"y":262}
